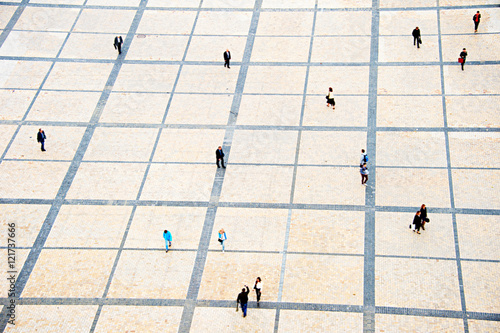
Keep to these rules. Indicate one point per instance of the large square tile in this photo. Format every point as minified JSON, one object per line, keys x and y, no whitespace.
{"x":285,"y":23}
{"x":472,"y":111}
{"x":211,"y":48}
{"x":479,"y":47}
{"x":223,"y":23}
{"x":269,"y":79}
{"x":344,"y":3}
{"x":78,"y":76}
{"x":199,"y":109}
{"x":478,"y":236}
{"x":276,"y":49}
{"x":135,"y":108}
{"x":89,"y":46}
{"x":105,"y":20}
{"x":26,"y":219}
{"x":396,"y":22}
{"x":319,"y":321}
{"x":341,"y":49}
{"x":228,"y":4}
{"x":73,"y":106}
{"x":474,"y":150}
{"x":481,"y":286}
{"x":30,"y":46}
{"x":472,"y":80}
{"x":288,"y":4}
{"x":453,"y":20}
{"x":410,"y":111}
{"x":216,"y":79}
{"x":403,"y":3}
{"x":349,"y":111}
{"x":477,"y":326}
{"x":226,"y":320}
{"x":401,"y":49}
{"x":15,"y":103}
{"x":343,"y":80}
{"x":46,"y":18}
{"x":404,"y":323}
{"x":159,"y":21}
{"x":157,"y":47}
{"x":409,"y":80}
{"x":339,"y":23}
{"x":174,"y":3}
{"x":22,"y":74}
{"x":273,"y":110}
{"x":146,"y":78}
{"x":476,"y":188}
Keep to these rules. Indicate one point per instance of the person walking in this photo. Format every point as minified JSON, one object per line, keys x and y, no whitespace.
{"x":363,"y":159}
{"x":463,"y":55}
{"x":364,"y":174}
{"x":118,"y":44}
{"x":476,"y":18}
{"x":329,"y":98}
{"x":219,"y":156}
{"x":416,"y":37}
{"x":258,"y":289}
{"x":417,"y":222}
{"x":222,"y":238}
{"x":243,"y":300}
{"x":423,"y":216}
{"x":41,"y":137}
{"x":168,"y":239}
{"x":227,"y":57}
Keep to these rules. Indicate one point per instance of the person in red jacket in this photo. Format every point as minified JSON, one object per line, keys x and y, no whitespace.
{"x":476,"y":18}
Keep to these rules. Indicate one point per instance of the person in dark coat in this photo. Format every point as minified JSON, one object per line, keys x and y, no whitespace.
{"x":476,"y":18}
{"x":463,"y":55}
{"x":118,"y":44}
{"x":329,"y":98}
{"x":219,"y":156}
{"x":243,"y":300}
{"x":227,"y":57}
{"x":423,"y":216}
{"x":40,"y":137}
{"x":416,"y":37}
{"x":417,"y":221}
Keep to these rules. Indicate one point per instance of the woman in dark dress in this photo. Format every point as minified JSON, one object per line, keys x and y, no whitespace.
{"x":417,"y":221}
{"x":329,"y":98}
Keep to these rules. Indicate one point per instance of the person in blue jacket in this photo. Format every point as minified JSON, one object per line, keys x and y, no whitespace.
{"x":168,"y":239}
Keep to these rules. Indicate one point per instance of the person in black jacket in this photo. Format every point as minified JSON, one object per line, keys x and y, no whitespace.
{"x":463,"y":55}
{"x":40,"y":137}
{"x":219,"y":156}
{"x":423,"y":216}
{"x":416,"y":37}
{"x":227,"y":57}
{"x":118,"y":44}
{"x":243,"y":300}
{"x":476,"y":18}
{"x":417,"y":221}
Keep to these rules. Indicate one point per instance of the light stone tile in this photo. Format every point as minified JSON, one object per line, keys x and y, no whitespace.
{"x":122,"y":181}
{"x":71,"y":106}
{"x":188,"y":145}
{"x":129,"y":3}
{"x":344,"y":3}
{"x":404,"y":323}
{"x":343,"y":80}
{"x":146,"y":78}
{"x":209,"y":48}
{"x":459,"y":21}
{"x":27,"y":44}
{"x":401,"y":49}
{"x":61,"y":143}
{"x":319,"y":321}
{"x":472,"y":111}
{"x":22,"y":74}
{"x":215,"y":79}
{"x":478,"y":236}
{"x":137,"y":273}
{"x":17,"y":260}
{"x":174,"y":3}
{"x":476,"y":150}
{"x":89,"y":226}
{"x":185,"y":224}
{"x":155,"y":47}
{"x":285,"y":23}
{"x":341,"y":49}
{"x":59,"y":2}
{"x":270,"y":79}
{"x":338,"y":23}
{"x":121,"y":144}
{"x":175,"y":22}
{"x":481,"y":286}
{"x":46,"y":18}
{"x":128,"y":318}
{"x":327,"y":279}
{"x":199,"y":109}
{"x":415,"y":149}
{"x":6,"y":14}
{"x":472,"y":80}
{"x":70,"y":273}
{"x":225,"y":274}
{"x":409,"y":80}
{"x":405,"y":4}
{"x":477,"y":326}
{"x":396,"y":22}
{"x":78,"y":76}
{"x":15,"y":103}
{"x":269,"y":110}
{"x":6,"y":133}
{"x":105,"y":20}
{"x":28,"y":220}
{"x":349,"y":111}
{"x":327,"y":231}
{"x":394,"y":237}
{"x":288,"y":4}
{"x":277,"y":49}
{"x":227,"y":320}
{"x":135,"y":108}
{"x":337,"y":148}
{"x":40,"y":180}
{"x":52,"y":318}
{"x":273,"y":147}
{"x":410,"y":111}
{"x":252,"y":183}
{"x":476,"y":188}
{"x":479,"y":47}
{"x":412,"y":187}
{"x":179,"y":182}
{"x":417,"y":283}
{"x":329,"y":185}
{"x":250,"y":229}
{"x":228,"y":4}
{"x":223,"y":23}
{"x":89,"y":46}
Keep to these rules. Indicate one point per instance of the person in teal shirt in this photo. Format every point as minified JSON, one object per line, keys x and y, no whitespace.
{"x":168,"y":239}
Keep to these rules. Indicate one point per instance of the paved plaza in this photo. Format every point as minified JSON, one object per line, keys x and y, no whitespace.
{"x":131,"y":143}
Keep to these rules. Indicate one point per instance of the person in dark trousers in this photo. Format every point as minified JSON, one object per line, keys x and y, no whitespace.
{"x":417,"y":222}
{"x":118,"y":44}
{"x":227,"y":57}
{"x":476,"y":18}
{"x":329,"y":98}
{"x":364,"y":174}
{"x":219,"y":156}
{"x":243,"y":300}
{"x":363,"y":159}
{"x":258,"y":289}
{"x":41,"y":137}
{"x":423,"y":216}
{"x":463,"y":55}
{"x":416,"y":37}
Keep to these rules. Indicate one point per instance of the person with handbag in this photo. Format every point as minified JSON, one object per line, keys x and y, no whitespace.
{"x":258,"y":289}
{"x":463,"y":55}
{"x":416,"y":37}
{"x":329,"y":98}
{"x":222,"y":238}
{"x":417,"y":223}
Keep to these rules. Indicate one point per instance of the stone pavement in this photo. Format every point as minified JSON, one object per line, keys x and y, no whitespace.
{"x":131,"y":141}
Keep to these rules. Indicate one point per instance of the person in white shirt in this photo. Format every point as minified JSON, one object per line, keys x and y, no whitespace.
{"x":258,"y":289}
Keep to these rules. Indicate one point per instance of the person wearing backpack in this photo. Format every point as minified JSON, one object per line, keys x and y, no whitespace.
{"x":364,"y":158}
